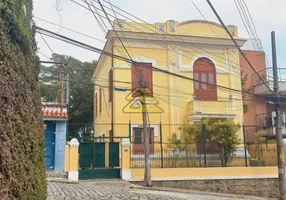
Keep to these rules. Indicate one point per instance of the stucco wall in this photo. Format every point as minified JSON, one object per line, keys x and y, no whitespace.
{"x":256,"y":105}
{"x":257,"y":181}
{"x":255,"y":187}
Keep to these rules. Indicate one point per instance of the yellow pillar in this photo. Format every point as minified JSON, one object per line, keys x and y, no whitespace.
{"x":125,"y":159}
{"x":73,"y":160}
{"x":67,"y":158}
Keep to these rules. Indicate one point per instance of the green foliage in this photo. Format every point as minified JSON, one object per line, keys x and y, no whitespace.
{"x":175,"y":145}
{"x":22,"y":174}
{"x":174,"y":142}
{"x":259,"y":141}
{"x":244,"y":78}
{"x":17,"y":23}
{"x":224,"y":135}
{"x":81,"y":89}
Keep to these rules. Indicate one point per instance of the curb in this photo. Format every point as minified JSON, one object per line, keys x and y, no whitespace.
{"x":185,"y":191}
{"x":61,"y":180}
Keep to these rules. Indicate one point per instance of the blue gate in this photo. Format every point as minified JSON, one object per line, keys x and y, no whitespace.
{"x":50,"y":128}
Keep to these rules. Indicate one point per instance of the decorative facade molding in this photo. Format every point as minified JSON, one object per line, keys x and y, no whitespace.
{"x":125,"y":142}
{"x":74,"y":142}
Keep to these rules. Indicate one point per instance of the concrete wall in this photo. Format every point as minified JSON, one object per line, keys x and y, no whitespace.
{"x":258,"y":181}
{"x":60,"y":145}
{"x":264,"y":187}
{"x":256,"y":105}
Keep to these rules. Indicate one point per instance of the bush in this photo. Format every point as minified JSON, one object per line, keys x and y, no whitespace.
{"x":22,"y":170}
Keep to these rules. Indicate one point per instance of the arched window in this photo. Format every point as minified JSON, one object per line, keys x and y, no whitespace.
{"x":204,"y":71}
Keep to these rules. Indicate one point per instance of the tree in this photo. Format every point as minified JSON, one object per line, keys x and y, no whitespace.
{"x":176,"y":146}
{"x":224,"y":134}
{"x":259,"y":141}
{"x":81,"y":89}
{"x":244,"y":78}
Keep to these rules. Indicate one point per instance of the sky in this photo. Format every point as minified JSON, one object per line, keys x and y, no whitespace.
{"x":268,"y":15}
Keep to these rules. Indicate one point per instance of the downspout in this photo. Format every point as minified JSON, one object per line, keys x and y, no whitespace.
{"x":172,"y":93}
{"x":177,"y":90}
{"x":112,"y":95}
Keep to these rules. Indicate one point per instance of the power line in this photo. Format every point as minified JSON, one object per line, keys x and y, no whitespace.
{"x":83,"y":34}
{"x":118,"y":46}
{"x":98,"y":22}
{"x":241,"y":52}
{"x":97,"y":50}
{"x":159,"y":43}
{"x":152,"y":31}
{"x":150,"y":28}
{"x":244,"y":21}
{"x":44,"y":55}
{"x":46,"y":43}
{"x":114,"y":30}
{"x":255,"y":31}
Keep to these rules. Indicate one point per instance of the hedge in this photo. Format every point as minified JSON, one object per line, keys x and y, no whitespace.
{"x":22,"y":170}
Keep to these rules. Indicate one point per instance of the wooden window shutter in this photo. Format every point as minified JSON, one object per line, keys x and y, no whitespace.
{"x":95,"y":110}
{"x":136,"y":70}
{"x":110,"y":86}
{"x":100,"y":100}
{"x":204,"y":71}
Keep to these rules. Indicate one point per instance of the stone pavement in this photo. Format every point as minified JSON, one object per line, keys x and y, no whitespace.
{"x":113,"y":190}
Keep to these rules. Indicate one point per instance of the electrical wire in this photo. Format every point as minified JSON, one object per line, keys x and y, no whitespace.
{"x":141,"y":31}
{"x":98,"y":22}
{"x":88,"y":47}
{"x":241,"y":52}
{"x":164,"y":46}
{"x":46,"y":43}
{"x":114,"y":30}
{"x":44,"y":55}
{"x":255,"y":31}
{"x":153,"y":29}
{"x":80,"y":33}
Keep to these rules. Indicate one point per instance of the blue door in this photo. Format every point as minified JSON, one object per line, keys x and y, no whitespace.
{"x":50,"y":128}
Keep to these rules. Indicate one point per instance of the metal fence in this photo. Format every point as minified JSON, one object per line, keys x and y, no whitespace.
{"x":200,"y":155}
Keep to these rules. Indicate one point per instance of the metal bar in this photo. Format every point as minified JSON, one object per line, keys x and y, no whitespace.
{"x":278,"y":130}
{"x":204,"y":142}
{"x":161,"y":146}
{"x":244,"y":145}
{"x":130,"y":130}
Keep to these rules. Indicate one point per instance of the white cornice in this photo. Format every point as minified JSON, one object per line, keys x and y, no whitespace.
{"x":175,"y":38}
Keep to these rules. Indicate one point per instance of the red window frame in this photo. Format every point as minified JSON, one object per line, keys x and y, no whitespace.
{"x":204,"y":71}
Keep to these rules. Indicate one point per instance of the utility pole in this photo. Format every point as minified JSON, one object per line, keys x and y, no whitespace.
{"x":62,"y":91}
{"x":278,"y":130}
{"x":147,"y":169}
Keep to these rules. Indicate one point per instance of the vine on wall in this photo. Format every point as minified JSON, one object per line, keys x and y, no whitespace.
{"x":22,"y":171}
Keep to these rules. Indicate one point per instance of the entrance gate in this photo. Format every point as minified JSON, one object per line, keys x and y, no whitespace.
{"x":98,"y":159}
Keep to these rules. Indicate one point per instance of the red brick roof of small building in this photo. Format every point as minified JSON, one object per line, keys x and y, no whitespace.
{"x":52,"y":110}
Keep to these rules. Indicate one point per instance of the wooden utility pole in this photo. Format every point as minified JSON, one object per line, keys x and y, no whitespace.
{"x":147,"y":169}
{"x":278,"y":130}
{"x":62,"y":90}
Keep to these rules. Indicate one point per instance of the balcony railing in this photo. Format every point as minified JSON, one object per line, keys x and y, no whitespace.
{"x":267,"y":76}
{"x":209,"y":107}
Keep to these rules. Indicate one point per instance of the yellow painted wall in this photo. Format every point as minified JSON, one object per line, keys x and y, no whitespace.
{"x":176,"y":106}
{"x":173,"y":173}
{"x":192,"y":27}
{"x":103,"y":119}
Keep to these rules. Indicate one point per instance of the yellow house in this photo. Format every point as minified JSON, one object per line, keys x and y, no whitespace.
{"x":196,"y":49}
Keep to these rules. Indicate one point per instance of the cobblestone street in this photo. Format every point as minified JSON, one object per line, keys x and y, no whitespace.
{"x":120,"y":190}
